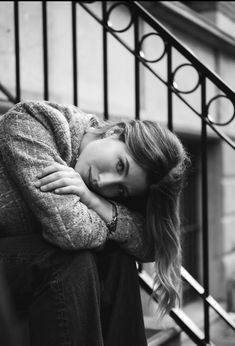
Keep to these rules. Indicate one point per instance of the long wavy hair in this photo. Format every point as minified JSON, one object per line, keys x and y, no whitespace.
{"x":161,"y":154}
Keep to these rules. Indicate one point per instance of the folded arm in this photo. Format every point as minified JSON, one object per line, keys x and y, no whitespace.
{"x":28,"y":146}
{"x":130,"y":225}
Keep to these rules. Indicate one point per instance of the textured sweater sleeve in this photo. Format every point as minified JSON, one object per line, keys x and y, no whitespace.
{"x":28,"y":145}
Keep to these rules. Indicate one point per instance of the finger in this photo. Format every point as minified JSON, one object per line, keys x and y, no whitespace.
{"x":55,"y":167}
{"x":64,"y":182}
{"x":67,"y":190}
{"x":51,"y":178}
{"x":66,"y":174}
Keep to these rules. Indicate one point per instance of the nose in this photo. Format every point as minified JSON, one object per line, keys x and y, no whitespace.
{"x":108,"y":179}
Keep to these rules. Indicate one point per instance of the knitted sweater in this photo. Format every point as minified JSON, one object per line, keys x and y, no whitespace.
{"x":33,"y":134}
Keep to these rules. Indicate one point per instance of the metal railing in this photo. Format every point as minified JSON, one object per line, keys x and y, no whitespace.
{"x":137,"y":14}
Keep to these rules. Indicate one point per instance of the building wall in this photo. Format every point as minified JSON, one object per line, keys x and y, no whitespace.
{"x":228,"y":217}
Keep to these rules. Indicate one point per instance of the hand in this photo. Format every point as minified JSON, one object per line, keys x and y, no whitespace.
{"x":64,"y":180}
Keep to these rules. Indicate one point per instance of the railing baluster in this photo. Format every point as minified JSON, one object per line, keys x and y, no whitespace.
{"x":105,"y":60}
{"x":17,"y":50}
{"x":169,"y":90}
{"x":205,"y":209}
{"x":45,"y":49}
{"x":137,"y":67}
{"x":74,"y":42}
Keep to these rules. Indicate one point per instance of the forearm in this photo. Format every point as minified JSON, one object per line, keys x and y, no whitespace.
{"x":27,"y":148}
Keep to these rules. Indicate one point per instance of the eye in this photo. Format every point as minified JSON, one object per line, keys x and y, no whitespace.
{"x":120,"y":166}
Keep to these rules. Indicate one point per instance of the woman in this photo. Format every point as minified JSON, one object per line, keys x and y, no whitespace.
{"x":80,"y":209}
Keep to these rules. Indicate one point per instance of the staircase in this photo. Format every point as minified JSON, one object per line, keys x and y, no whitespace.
{"x":138,"y":18}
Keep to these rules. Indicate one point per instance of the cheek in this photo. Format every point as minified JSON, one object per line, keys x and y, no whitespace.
{"x":108,"y":192}
{"x":81,"y":164}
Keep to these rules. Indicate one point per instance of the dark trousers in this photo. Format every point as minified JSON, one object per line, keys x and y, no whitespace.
{"x":74,"y":298}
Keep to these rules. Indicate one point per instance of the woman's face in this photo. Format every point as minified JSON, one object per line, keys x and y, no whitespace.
{"x":108,"y":169}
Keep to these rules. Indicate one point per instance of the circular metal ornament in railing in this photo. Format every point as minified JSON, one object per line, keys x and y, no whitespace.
{"x":224,"y":103}
{"x":177,"y":71}
{"x":111,"y":22}
{"x":152,"y":39}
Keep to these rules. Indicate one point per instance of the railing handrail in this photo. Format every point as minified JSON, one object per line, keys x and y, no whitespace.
{"x":173,"y":41}
{"x":210,"y":300}
{"x":187,"y":53}
{"x":178,"y":315}
{"x":147,"y":282}
{"x":145,"y":15}
{"x":7,"y":93}
{"x":183,"y":49}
